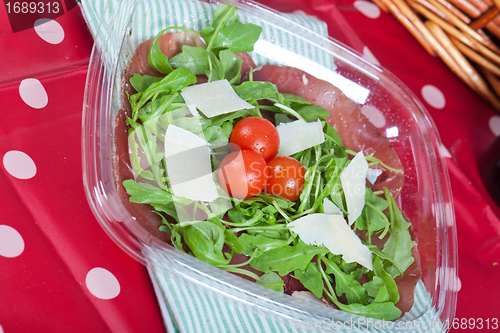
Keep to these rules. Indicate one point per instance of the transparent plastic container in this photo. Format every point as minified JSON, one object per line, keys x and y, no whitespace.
{"x":426,"y":198}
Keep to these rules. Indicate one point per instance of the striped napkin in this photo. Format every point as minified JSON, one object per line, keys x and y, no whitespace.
{"x":217,"y":305}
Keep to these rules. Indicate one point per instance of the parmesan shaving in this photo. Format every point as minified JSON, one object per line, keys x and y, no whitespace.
{"x":298,"y":135}
{"x":353,"y":179}
{"x":188,"y":164}
{"x":214,"y":98}
{"x":332,"y":231}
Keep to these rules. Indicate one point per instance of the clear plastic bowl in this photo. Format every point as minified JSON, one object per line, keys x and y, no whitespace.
{"x":426,"y":198}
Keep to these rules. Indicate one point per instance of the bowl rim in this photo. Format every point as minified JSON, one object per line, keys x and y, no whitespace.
{"x":132,"y":239}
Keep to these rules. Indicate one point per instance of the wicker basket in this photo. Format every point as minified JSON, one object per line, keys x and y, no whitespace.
{"x":464,"y":34}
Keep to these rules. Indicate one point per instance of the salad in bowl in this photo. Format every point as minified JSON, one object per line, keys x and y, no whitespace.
{"x":270,"y":173}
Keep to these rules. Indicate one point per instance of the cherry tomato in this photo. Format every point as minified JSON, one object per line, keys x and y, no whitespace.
{"x":286,"y":177}
{"x":243,"y":174}
{"x":257,"y":134}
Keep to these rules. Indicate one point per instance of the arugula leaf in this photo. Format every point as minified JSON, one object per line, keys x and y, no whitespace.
{"x":216,"y":70}
{"x":346,"y":284}
{"x":141,"y":82}
{"x":193,"y":58}
{"x":376,"y":251}
{"x":244,"y":217}
{"x":372,"y":217}
{"x":311,"y":279}
{"x":385,"y":310}
{"x":238,"y":37}
{"x":142,"y":141}
{"x":143,"y":193}
{"x":198,"y":60}
{"x":260,"y":242}
{"x":282,"y":118}
{"x":311,"y":113}
{"x":176,"y":239}
{"x":269,"y":210}
{"x":252,"y":91}
{"x":226,"y":32}
{"x":157,"y":59}
{"x":175,"y":81}
{"x":321,"y":167}
{"x":390,"y":284}
{"x":286,"y":259}
{"x":267,"y":231}
{"x":382,"y":295}
{"x":222,"y":15}
{"x":156,"y":108}
{"x":232,"y":116}
{"x":277,"y":200}
{"x":234,"y":243}
{"x":166,"y":225}
{"x":272,"y":280}
{"x":373,"y":287}
{"x":287,"y":99}
{"x":217,"y":136}
{"x":137,"y":152}
{"x":231,"y":65}
{"x":332,"y":134}
{"x":205,"y":240}
{"x":146,"y":193}
{"x":399,"y":244}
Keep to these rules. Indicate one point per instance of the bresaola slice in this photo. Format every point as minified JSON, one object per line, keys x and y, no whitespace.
{"x":355,"y":130}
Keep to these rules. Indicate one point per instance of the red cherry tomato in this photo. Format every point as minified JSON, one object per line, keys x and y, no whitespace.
{"x":286,"y":177}
{"x":243,"y":174}
{"x":257,"y":134}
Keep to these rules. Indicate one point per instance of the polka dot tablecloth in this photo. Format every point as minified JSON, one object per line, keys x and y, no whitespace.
{"x":59,"y":271}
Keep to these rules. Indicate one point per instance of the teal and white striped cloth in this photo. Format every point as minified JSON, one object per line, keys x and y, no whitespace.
{"x":109,"y":21}
{"x":216,"y":304}
{"x":194,"y":299}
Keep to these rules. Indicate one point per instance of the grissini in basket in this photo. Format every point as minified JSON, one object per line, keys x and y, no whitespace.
{"x":459,"y":40}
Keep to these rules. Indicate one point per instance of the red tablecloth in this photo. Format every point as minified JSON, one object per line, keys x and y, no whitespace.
{"x":52,"y":250}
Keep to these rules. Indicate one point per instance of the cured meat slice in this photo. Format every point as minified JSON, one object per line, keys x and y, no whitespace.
{"x":355,"y":130}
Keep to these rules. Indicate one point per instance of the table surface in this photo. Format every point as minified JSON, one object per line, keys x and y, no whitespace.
{"x":60,"y":272}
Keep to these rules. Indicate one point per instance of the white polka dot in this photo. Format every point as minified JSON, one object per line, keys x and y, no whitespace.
{"x":494,"y":124}
{"x":458,"y":284}
{"x":444,"y":151}
{"x":374,"y":115}
{"x":368,"y":55}
{"x":367,"y":8}
{"x":49,"y":30}
{"x":454,"y":282}
{"x":1,"y":329}
{"x":433,"y":96}
{"x":102,"y":283}
{"x":299,"y":12}
{"x":33,"y":93}
{"x":19,"y":164}
{"x":11,"y":242}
